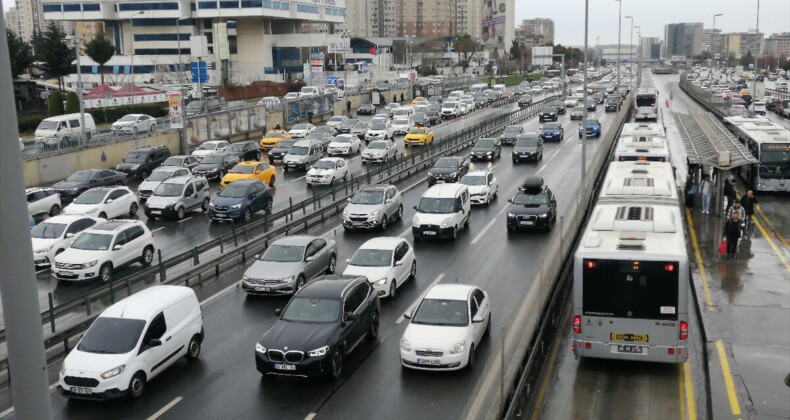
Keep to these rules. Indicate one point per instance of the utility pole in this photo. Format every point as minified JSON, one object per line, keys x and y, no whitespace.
{"x":131,"y":25}
{"x":83,"y":139}
{"x":584,"y":98}
{"x":619,"y":24}
{"x":24,"y":336}
{"x":757,"y":36}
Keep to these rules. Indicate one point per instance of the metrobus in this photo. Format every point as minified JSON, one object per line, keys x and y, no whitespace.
{"x":769,"y":143}
{"x":642,"y":148}
{"x":646,"y":104}
{"x":644,"y":181}
{"x":642,"y":129}
{"x":631,"y":284}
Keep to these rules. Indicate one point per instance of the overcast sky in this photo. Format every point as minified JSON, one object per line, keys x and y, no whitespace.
{"x":651,"y":16}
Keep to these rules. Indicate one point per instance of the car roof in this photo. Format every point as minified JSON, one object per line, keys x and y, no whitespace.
{"x":65,"y":218}
{"x":450,"y":292}
{"x":443,"y":190}
{"x":246,"y":182}
{"x":384,"y":242}
{"x":302,"y":240}
{"x":170,"y":169}
{"x":248,"y":163}
{"x":482,"y":172}
{"x":179,"y":179}
{"x":375,"y":187}
{"x":332,"y":159}
{"x":148,"y":302}
{"x":333,"y":286}
{"x":305,"y":143}
{"x":113,"y":225}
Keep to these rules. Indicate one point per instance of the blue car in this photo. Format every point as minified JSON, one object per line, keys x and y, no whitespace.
{"x":552,"y":131}
{"x":593,"y":128}
{"x":240,"y":199}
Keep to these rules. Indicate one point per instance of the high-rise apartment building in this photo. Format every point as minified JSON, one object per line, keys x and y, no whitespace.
{"x":535,"y":32}
{"x":12,"y":21}
{"x":683,"y":39}
{"x":778,"y":45}
{"x":651,"y":47}
{"x":428,"y":19}
{"x":469,"y":18}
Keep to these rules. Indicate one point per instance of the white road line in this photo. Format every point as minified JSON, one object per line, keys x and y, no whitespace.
{"x":488,"y":226}
{"x":164,"y":409}
{"x":185,"y":219}
{"x":310,"y":416}
{"x":413,"y":306}
{"x":218,"y":295}
{"x":300,"y":178}
{"x":413,"y":185}
{"x":7,"y":412}
{"x":158,"y":229}
{"x":53,"y":386}
{"x":405,"y":232}
{"x":42,"y":270}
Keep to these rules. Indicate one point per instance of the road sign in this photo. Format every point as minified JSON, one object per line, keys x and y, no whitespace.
{"x":202,"y":72}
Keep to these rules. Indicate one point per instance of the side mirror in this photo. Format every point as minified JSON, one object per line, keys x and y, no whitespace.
{"x":109,"y":200}
{"x":407,"y":315}
{"x":310,"y":258}
{"x":477,"y":319}
{"x":510,"y":200}
{"x":398,"y":263}
{"x":415,"y":208}
{"x":93,"y":181}
{"x":155,"y":342}
{"x":117,"y":247}
{"x":387,"y":201}
{"x":251,"y":196}
{"x":277,"y":312}
{"x":348,"y":199}
{"x":351,"y":316}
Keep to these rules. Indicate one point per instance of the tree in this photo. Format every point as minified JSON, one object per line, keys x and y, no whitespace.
{"x":72,"y":103}
{"x":57,"y":57}
{"x":19,"y":52}
{"x":747,"y":59}
{"x":515,"y":51}
{"x":55,"y":103}
{"x":100,"y":50}
{"x":467,"y":46}
{"x":786,"y":65}
{"x":37,"y":42}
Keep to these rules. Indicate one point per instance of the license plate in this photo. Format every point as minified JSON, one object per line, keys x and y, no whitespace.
{"x":156,"y":212}
{"x":526,"y":223}
{"x":80,"y":390}
{"x":429,"y":233}
{"x":66,"y":273}
{"x":284,"y":367}
{"x":432,"y":362}
{"x":358,"y":224}
{"x":263,"y":289}
{"x":629,"y":349}
{"x":440,"y":181}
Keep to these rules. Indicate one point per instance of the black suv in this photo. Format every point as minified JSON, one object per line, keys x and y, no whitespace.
{"x":80,"y":181}
{"x":511,"y":132}
{"x":321,"y":324}
{"x":533,"y":207}
{"x":448,"y":169}
{"x":612,"y":103}
{"x":559,"y":106}
{"x":245,"y":150}
{"x":548,"y":113}
{"x":486,"y":148}
{"x":528,"y":147}
{"x":140,"y":162}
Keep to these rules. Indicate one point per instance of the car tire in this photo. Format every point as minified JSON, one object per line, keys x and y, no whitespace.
{"x":336,"y":363}
{"x":413,"y":271}
{"x":373,"y":329}
{"x":384,"y":222}
{"x":180,"y":213}
{"x":470,"y":362}
{"x":300,"y":282}
{"x":399,"y":214}
{"x":271,"y":181}
{"x":133,"y":209}
{"x":193,"y":349}
{"x":136,"y":386}
{"x":105,"y":272}
{"x":144,"y":174}
{"x":487,"y":332}
{"x":151,"y":129}
{"x":393,"y":289}
{"x":103,"y":215}
{"x":466,"y":223}
{"x":454,"y":235}
{"x":332,"y":267}
{"x":247,"y":215}
{"x":258,"y":156}
{"x":54,"y":211}
{"x":269,"y":206}
{"x":205,"y":204}
{"x":148,"y":256}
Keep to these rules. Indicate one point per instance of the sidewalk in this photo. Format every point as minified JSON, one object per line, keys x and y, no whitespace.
{"x":745,"y":310}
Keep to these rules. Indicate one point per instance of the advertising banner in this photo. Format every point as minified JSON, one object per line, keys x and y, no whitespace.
{"x":494,"y":18}
{"x":174,"y":102}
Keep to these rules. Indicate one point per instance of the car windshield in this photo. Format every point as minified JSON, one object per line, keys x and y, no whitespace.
{"x":512,"y":130}
{"x":446,"y":163}
{"x":377,"y":145}
{"x":372,"y":258}
{"x":336,"y":119}
{"x":378,"y":126}
{"x":400,"y":121}
{"x":417,"y":131}
{"x":437,"y":205}
{"x":91,"y":197}
{"x":81,"y":176}
{"x":368,"y":197}
{"x":361,"y":125}
{"x":591,"y":122}
{"x":47,"y":230}
{"x":441,"y":312}
{"x":285,"y":144}
{"x":449,"y":105}
{"x":128,"y":118}
{"x":484,"y":143}
{"x":301,"y":127}
{"x":242,"y":169}
{"x":283,"y":253}
{"x":548,"y":110}
{"x":526,"y":141}
{"x":303,"y":309}
{"x":208,"y":146}
{"x":530,"y":199}
{"x":197,"y":105}
{"x":237,"y":147}
{"x":474,"y":180}
{"x":342,"y":139}
{"x":48,"y":125}
{"x":234,"y":191}
{"x":93,"y":242}
{"x":324,"y":164}
{"x":214,"y":159}
{"x":553,"y":126}
{"x":274,"y":135}
{"x":168,"y":190}
{"x":173,"y":161}
{"x":112,"y":336}
{"x":322,"y":129}
{"x":298,"y":150}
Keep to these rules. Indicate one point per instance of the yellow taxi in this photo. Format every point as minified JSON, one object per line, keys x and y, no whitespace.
{"x":272,"y":138}
{"x":419,"y":136}
{"x":418,"y":100}
{"x":250,"y":170}
{"x":744,"y":92}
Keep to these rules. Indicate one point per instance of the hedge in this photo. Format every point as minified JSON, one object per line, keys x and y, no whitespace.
{"x":113,"y":114}
{"x":56,"y":103}
{"x":72,"y":103}
{"x":30,"y":123}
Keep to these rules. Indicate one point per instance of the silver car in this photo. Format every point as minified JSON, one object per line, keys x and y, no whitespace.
{"x":288,"y":264}
{"x":380,"y":151}
{"x":372,"y":207}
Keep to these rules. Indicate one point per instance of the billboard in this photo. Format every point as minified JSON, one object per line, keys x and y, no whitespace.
{"x":494,"y":16}
{"x":541,"y":56}
{"x":174,"y":102}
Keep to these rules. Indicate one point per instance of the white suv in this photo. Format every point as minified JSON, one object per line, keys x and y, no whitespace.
{"x":386,"y":262}
{"x":43,"y":201}
{"x":105,"y":247}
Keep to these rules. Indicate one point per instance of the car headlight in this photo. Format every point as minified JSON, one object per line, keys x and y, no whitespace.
{"x":458,"y":347}
{"x":73,"y":190}
{"x":381,"y":282}
{"x":511,"y":215}
{"x":113,"y":372}
{"x":259,"y":348}
{"x":236,"y":206}
{"x":415,"y":222}
{"x":488,"y":153}
{"x":43,"y":250}
{"x":446,"y":223}
{"x":90,"y":264}
{"x":211,"y":205}
{"x":345,"y":212}
{"x":453,"y":175}
{"x":404,"y":344}
{"x":288,"y":279}
{"x":135,"y":167}
{"x":318,"y":352}
{"x":543,"y":216}
{"x":375,"y":212}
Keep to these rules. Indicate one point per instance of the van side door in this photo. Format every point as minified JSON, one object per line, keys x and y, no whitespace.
{"x":153,"y":349}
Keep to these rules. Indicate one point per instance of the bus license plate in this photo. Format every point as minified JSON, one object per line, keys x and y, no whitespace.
{"x":432,"y":362}
{"x":284,"y":367}
{"x":629,"y":349}
{"x":80,"y":390}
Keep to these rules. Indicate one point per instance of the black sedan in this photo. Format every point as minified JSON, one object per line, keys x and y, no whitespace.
{"x":448,"y":169}
{"x":347,"y":126}
{"x":486,"y":149}
{"x":559,"y":106}
{"x":533,"y":207}
{"x":366,"y":109}
{"x":280,"y":149}
{"x":433,"y":117}
{"x":245,"y":150}
{"x":321,"y":324}
{"x":80,"y":181}
{"x":216,"y":165}
{"x":548,"y":113}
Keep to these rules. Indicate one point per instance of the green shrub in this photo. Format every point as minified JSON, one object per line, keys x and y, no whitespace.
{"x":55,"y":103}
{"x":113,"y":114}
{"x":72,"y":103}
{"x":29,"y":124}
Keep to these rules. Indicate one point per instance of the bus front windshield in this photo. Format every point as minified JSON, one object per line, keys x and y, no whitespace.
{"x":775,"y":161}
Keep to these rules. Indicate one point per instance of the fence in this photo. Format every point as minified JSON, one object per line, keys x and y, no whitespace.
{"x":222,"y":125}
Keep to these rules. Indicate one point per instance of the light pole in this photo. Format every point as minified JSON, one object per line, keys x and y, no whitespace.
{"x":619,"y":24}
{"x":76,"y":41}
{"x":713,"y":38}
{"x":756,"y":35}
{"x":631,"y":44}
{"x":639,"y":62}
{"x":582,"y":188}
{"x":131,"y":26}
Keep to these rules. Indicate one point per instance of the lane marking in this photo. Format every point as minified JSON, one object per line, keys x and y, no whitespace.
{"x":7,"y":412}
{"x":729,"y":384}
{"x":413,"y":306}
{"x":300,"y":178}
{"x":42,"y":270}
{"x":771,"y":242}
{"x":544,"y":386}
{"x":700,"y":264}
{"x":158,"y":229}
{"x":691,"y":403}
{"x":488,"y":226}
{"x":681,"y":393}
{"x":310,"y":416}
{"x":219,"y":294}
{"x":164,"y":409}
{"x":770,"y":225}
{"x":185,"y":219}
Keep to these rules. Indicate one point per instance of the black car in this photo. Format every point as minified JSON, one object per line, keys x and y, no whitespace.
{"x":448,"y":169}
{"x":322,"y":323}
{"x":591,"y":106}
{"x":487,"y":148}
{"x":548,"y":113}
{"x":747,"y":99}
{"x":216,"y":165}
{"x":612,"y":103}
{"x":346,"y":126}
{"x":141,"y":161}
{"x":433,"y":116}
{"x":366,"y":109}
{"x":80,"y":181}
{"x":559,"y":106}
{"x":528,"y":147}
{"x":245,"y":150}
{"x":533,"y":207}
{"x":421,"y":120}
{"x":598,"y":97}
{"x":511,"y":132}
{"x":771,"y":104}
{"x":280,"y":149}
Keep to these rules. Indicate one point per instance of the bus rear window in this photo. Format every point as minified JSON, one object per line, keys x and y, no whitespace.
{"x":630,"y":289}
{"x":645,"y":100}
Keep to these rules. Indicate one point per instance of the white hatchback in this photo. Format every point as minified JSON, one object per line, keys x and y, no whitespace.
{"x":54,"y":235}
{"x":387,"y":262}
{"x":209,"y":147}
{"x":483,"y":186}
{"x":104,"y":203}
{"x":326,"y":171}
{"x":446,"y":328}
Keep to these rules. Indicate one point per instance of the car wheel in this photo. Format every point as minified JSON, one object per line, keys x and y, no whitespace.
{"x":136,"y":385}
{"x":393,"y":289}
{"x":105,"y":272}
{"x":204,"y":207}
{"x":470,"y":362}
{"x":300,"y":282}
{"x":258,"y":156}
{"x":193,"y":350}
{"x":332,"y":265}
{"x":373,"y":329}
{"x":336,"y":364}
{"x":133,"y":209}
{"x":271,"y":181}
{"x":148,"y":256}
{"x":268,"y":206}
{"x":487,"y":332}
{"x":144,"y":174}
{"x":151,"y":129}
{"x":399,"y":214}
{"x":384,"y":222}
{"x":413,"y":271}
{"x":103,"y":215}
{"x":466,"y":223}
{"x":247,"y":215}
{"x":54,"y":211}
{"x":180,"y":213}
{"x":454,"y":235}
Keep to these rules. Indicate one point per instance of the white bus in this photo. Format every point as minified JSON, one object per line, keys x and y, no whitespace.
{"x":770,"y":144}
{"x":631,"y":284}
{"x":639,"y":181}
{"x":646,"y":104}
{"x":639,"y":148}
{"x":643,"y":129}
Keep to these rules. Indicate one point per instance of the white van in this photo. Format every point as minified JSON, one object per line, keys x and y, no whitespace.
{"x":499,"y":89}
{"x":132,"y":342}
{"x":444,"y":210}
{"x":64,"y":128}
{"x":478,"y":87}
{"x":455,"y":95}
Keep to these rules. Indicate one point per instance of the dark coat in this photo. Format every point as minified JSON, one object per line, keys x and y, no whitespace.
{"x":732,"y":230}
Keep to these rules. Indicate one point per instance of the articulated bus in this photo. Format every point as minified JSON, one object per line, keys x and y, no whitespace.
{"x":646,"y":104}
{"x":642,"y":130}
{"x":639,"y":181}
{"x":770,"y":144}
{"x":638,"y":148}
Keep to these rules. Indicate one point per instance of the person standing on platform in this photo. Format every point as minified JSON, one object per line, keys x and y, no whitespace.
{"x":729,"y":193}
{"x":690,"y":192}
{"x":748,"y":202}
{"x":705,"y":188}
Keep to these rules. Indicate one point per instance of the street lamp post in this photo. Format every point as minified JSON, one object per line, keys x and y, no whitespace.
{"x":582,"y":188}
{"x":131,"y":25}
{"x":639,"y":61}
{"x":619,"y":24}
{"x":713,"y":38}
{"x":76,"y":41}
{"x":756,"y":35}
{"x":631,"y":44}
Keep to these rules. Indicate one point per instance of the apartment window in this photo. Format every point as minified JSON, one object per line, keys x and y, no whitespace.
{"x":52,"y":8}
{"x":71,"y":8}
{"x":160,"y":37}
{"x":229,"y":5}
{"x":306,"y":9}
{"x":147,"y":6}
{"x":159,"y":51}
{"x":91,"y":7}
{"x":251,"y":3}
{"x":161,"y":22}
{"x":207,"y":5}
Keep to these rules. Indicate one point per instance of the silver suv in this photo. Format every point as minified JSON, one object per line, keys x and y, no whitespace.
{"x":303,"y":154}
{"x":374,"y":206}
{"x":176,"y":196}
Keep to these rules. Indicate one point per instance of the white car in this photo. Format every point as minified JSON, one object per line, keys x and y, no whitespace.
{"x":326,"y":171}
{"x":309,"y":91}
{"x":446,"y":328}
{"x":571,"y":101}
{"x":379,"y":131}
{"x":401,"y":125}
{"x":483,"y":186}
{"x":336,"y":121}
{"x":104,"y":203}
{"x":300,"y":131}
{"x":380,"y":151}
{"x":450,"y":110}
{"x":387,"y":262}
{"x":134,"y":123}
{"x":42,"y":201}
{"x":209,"y":147}
{"x":290,"y":96}
{"x":159,"y":175}
{"x":103,"y":248}
{"x":344,"y":144}
{"x":759,"y":108}
{"x":54,"y":235}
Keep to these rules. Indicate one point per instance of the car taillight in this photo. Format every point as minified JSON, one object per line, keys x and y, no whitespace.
{"x":636,"y":111}
{"x":684,"y":330}
{"x":577,"y":324}
{"x":655,"y":110}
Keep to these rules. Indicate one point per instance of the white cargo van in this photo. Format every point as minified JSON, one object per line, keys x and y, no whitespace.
{"x":444,"y":210}
{"x":62,"y":129}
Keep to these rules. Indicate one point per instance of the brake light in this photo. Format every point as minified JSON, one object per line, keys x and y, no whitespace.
{"x":656,"y":109}
{"x":591,"y":264}
{"x":669,"y":267}
{"x":636,"y":111}
{"x":684,"y":330}
{"x":577,"y":324}
{"x":152,"y":234}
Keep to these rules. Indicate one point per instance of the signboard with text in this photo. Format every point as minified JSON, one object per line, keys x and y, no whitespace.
{"x":174,"y":105}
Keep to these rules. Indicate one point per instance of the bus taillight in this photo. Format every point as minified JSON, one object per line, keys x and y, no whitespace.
{"x":669,"y":267}
{"x":684,"y":329}
{"x":577,"y":324}
{"x":591,"y":264}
